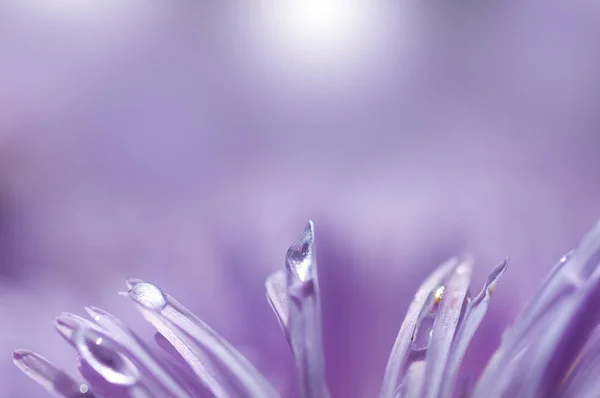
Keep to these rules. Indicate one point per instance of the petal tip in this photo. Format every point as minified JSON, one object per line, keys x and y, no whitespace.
{"x":300,"y":257}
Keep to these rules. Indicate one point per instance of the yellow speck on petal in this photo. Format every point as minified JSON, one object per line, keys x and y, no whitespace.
{"x":437,"y":295}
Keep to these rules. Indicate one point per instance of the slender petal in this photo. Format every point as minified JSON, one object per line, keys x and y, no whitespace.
{"x":67,"y":324}
{"x":557,"y":349}
{"x":122,"y":344}
{"x":276,"y":286}
{"x":551,"y":351}
{"x":304,"y":315}
{"x":402,"y":346}
{"x":178,"y":324}
{"x":562,"y":313}
{"x":582,"y":381}
{"x":55,"y":381}
{"x":474,"y":314}
{"x":413,"y":381}
{"x":200,"y":363}
{"x":140,"y":353}
{"x":445,"y":325}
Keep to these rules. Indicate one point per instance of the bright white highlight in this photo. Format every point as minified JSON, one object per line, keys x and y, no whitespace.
{"x":320,"y":34}
{"x":319,"y":28}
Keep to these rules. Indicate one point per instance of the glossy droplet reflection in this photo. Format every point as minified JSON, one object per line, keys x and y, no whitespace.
{"x":148,"y":295}
{"x":422,"y":334}
{"x":424,"y":328}
{"x":300,"y":257}
{"x":103,"y":358}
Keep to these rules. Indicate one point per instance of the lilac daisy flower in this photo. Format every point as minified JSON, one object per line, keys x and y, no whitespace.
{"x":551,"y":350}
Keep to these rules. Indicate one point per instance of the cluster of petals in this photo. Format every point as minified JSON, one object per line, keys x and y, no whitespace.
{"x":551,"y":350}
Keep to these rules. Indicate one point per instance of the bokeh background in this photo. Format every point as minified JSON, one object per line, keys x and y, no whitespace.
{"x":187,"y":143}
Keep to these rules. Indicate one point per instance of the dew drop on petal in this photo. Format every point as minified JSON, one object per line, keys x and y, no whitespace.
{"x":300,"y":256}
{"x":148,"y":295}
{"x":422,"y":334}
{"x":424,"y":327}
{"x":103,"y":358}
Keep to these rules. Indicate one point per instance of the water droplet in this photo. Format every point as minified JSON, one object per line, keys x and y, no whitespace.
{"x":424,"y":328}
{"x":148,"y":295}
{"x":102,"y":356}
{"x":422,"y":334}
{"x":301,"y":255}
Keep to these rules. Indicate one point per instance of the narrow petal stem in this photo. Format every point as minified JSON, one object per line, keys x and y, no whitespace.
{"x":55,"y":381}
{"x":182,"y":322}
{"x":401,"y":348}
{"x":304,"y":315}
{"x":445,"y":326}
{"x":474,"y":314}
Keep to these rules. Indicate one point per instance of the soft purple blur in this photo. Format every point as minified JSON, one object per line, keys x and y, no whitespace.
{"x":167,"y":141}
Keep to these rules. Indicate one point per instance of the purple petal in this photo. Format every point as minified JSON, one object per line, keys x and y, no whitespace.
{"x":304,"y":314}
{"x":200,"y":363}
{"x":400,"y":351}
{"x":99,"y":385}
{"x":276,"y":286}
{"x":566,"y":276}
{"x":413,"y":381}
{"x":445,"y":325}
{"x":582,"y":380}
{"x":180,"y":366}
{"x":138,"y":351}
{"x":119,"y":343}
{"x":566,"y":300}
{"x":474,"y":314}
{"x":179,"y":326}
{"x":48,"y":376}
{"x":67,"y":324}
{"x":559,"y":347}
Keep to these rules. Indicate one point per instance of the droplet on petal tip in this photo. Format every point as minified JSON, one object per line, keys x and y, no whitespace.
{"x":148,"y":295}
{"x":300,"y":256}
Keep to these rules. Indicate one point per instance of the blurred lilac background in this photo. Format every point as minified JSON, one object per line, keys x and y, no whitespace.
{"x":187,"y":143}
